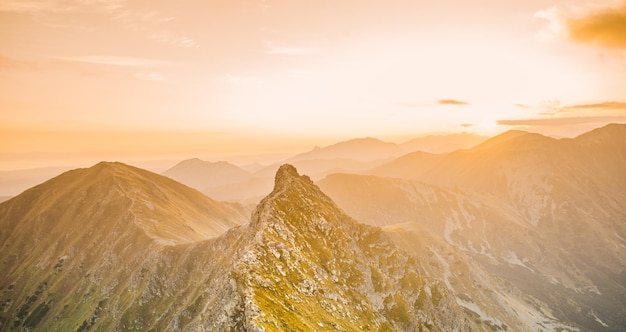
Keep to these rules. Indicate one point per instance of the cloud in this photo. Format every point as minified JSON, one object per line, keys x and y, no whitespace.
{"x":563,"y":121}
{"x":28,"y":6}
{"x":57,"y":6}
{"x":170,"y":38}
{"x":451,"y":102}
{"x":553,"y":24}
{"x":145,"y":21}
{"x":466,"y":125}
{"x":554,"y":107}
{"x":606,"y":27}
{"x":116,"y":61}
{"x":610,"y":105}
{"x":419,"y":104}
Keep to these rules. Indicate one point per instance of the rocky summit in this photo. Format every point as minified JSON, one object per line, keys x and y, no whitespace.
{"x":307,"y":265}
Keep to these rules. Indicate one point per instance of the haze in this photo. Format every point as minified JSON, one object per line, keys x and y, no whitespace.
{"x":157,"y":78}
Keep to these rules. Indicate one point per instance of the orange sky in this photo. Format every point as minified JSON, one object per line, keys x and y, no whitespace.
{"x":145,"y":75}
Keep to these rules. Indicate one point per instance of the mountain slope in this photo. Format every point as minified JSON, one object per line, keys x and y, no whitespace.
{"x":360,"y":149}
{"x":370,"y":149}
{"x":442,"y":143}
{"x":310,"y":265}
{"x":164,"y":209}
{"x":89,"y":232}
{"x":539,"y":176}
{"x":204,"y":175}
{"x":81,"y":258}
{"x":541,"y":262}
{"x":565,"y":197}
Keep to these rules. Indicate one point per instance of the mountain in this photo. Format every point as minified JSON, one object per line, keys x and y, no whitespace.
{"x":545,"y":214}
{"x":78,"y":255}
{"x":252,"y":189}
{"x":372,"y":149}
{"x":443,"y":143}
{"x":360,"y":149}
{"x":308,"y":265}
{"x":521,"y":233}
{"x":504,"y":137}
{"x":225,"y":181}
{"x":90,"y":235}
{"x":203,"y":175}
{"x":534,"y":173}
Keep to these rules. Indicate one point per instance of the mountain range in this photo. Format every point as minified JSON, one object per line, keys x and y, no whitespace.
{"x":226,"y":181}
{"x":83,"y":256}
{"x":521,"y":232}
{"x":546,"y":215}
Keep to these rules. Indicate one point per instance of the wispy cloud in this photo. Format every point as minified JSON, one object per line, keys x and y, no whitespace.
{"x":562,"y":121}
{"x":522,"y":106}
{"x":146,"y":21}
{"x":438,"y":102}
{"x":170,"y":38}
{"x":52,"y":6}
{"x":552,"y":23}
{"x":110,"y":60}
{"x":610,"y":105}
{"x":451,"y":102}
{"x":554,"y":107}
{"x":606,"y":27}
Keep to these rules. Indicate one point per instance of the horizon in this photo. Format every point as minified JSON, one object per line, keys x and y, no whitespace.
{"x":137,"y":80}
{"x":159,"y":160}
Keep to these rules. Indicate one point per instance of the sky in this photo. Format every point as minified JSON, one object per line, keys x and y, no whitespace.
{"x":155,"y":76}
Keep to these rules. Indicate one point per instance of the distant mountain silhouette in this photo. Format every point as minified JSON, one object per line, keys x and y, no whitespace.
{"x":443,"y":143}
{"x":359,"y":149}
{"x":203,"y":175}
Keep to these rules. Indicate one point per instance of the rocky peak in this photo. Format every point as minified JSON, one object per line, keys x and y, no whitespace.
{"x":307,"y":265}
{"x":298,"y":202}
{"x":287,"y":175}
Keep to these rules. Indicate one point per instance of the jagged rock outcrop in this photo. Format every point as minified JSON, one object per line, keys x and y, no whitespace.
{"x":310,"y":266}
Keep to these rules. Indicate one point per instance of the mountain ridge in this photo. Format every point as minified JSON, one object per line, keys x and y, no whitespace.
{"x":299,"y":263}
{"x":332,"y":260}
{"x":524,"y":235}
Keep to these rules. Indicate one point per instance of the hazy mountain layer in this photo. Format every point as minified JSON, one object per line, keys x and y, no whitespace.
{"x":225,"y":181}
{"x":204,"y":175}
{"x":371,"y":149}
